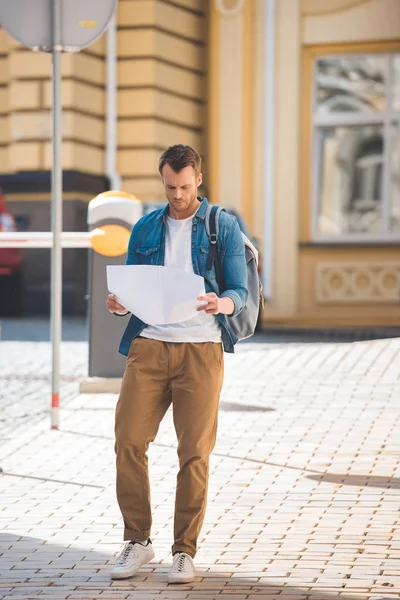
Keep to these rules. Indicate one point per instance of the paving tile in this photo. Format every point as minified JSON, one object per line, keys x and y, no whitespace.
{"x":303,"y":498}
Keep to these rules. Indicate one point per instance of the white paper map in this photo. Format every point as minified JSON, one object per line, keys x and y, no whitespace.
{"x":156,"y":295}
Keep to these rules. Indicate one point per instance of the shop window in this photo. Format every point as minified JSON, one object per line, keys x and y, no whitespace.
{"x":356,"y":166}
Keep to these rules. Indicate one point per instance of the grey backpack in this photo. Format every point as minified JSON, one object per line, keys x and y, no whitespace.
{"x":244,"y":324}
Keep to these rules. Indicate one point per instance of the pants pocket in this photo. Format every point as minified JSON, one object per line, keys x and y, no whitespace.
{"x":217,"y":353}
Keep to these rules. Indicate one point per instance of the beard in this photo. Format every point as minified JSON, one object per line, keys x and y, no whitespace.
{"x":184,"y":204}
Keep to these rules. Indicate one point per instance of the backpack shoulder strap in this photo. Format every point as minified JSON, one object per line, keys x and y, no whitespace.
{"x":212,"y":228}
{"x":212,"y":220}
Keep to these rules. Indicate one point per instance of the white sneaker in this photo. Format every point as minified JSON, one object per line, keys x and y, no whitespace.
{"x":182,"y":570}
{"x":132,"y":557}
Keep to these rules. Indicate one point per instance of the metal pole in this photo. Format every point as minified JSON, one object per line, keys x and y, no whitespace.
{"x":269,"y":133}
{"x":56,"y":216}
{"x":111,"y":118}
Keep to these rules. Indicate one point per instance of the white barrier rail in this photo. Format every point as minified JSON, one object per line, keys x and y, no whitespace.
{"x":44,"y":239}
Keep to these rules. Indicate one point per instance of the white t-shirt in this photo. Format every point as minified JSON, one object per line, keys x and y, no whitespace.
{"x":202,"y":327}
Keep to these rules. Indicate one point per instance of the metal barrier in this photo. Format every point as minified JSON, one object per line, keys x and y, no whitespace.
{"x":111,"y":216}
{"x":44,"y":239}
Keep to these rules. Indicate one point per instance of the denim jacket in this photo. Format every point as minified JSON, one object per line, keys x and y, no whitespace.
{"x":147,"y":247}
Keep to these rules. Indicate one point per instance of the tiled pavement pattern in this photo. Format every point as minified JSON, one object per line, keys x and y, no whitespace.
{"x":304,"y":490}
{"x":25,"y":382}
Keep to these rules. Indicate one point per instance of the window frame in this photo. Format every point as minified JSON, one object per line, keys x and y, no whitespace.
{"x":386,"y":118}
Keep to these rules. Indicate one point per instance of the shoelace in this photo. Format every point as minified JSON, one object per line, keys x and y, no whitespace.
{"x":129,"y":548}
{"x":181,"y":562}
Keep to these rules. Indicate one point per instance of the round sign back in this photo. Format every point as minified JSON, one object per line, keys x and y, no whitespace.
{"x":30,"y":22}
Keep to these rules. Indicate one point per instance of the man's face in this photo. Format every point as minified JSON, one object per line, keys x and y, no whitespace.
{"x":181,"y":189}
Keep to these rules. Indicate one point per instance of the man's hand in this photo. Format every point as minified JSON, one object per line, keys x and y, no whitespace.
{"x":114,"y":306}
{"x":216,"y":305}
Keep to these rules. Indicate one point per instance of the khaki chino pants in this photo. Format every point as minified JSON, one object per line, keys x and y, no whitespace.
{"x":188,"y":375}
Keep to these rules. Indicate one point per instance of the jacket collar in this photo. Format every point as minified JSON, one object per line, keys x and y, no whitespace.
{"x":201,"y":212}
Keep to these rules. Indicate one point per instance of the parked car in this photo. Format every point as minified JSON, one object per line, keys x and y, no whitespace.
{"x":10,"y":267}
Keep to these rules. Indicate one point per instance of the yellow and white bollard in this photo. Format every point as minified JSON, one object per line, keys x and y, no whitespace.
{"x":111,"y":216}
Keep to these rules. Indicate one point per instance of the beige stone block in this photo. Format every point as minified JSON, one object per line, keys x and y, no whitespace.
{"x":140,"y":132}
{"x":136,"y":103}
{"x":79,"y":95}
{"x":4,"y":100}
{"x":181,"y":21}
{"x":136,"y":13}
{"x":13,"y":44}
{"x":84,"y":127}
{"x":150,"y":42}
{"x":150,"y":72}
{"x":136,"y":132}
{"x":136,"y":72}
{"x":197,"y":5}
{"x":100,"y":385}
{"x":315,"y":7}
{"x":4,"y":129}
{"x":29,"y":64}
{"x":183,"y":82}
{"x":38,"y":126}
{"x":78,"y":156}
{"x":99,"y":47}
{"x":180,"y":110}
{"x":152,"y":13}
{"x":4,"y":160}
{"x":145,"y":189}
{"x":25,"y":156}
{"x":4,"y":41}
{"x":31,"y":125}
{"x":24,"y":94}
{"x":365,"y":21}
{"x":160,"y":104}
{"x":135,"y":44}
{"x":136,"y":163}
{"x":4,"y":74}
{"x":86,"y":67}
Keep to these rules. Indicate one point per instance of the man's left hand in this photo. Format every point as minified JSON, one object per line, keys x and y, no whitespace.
{"x":215,"y":305}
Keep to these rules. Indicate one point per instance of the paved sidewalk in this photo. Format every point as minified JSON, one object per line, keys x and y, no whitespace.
{"x":25,"y":382}
{"x":304,"y":490}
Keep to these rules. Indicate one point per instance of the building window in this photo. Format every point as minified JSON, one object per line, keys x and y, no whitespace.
{"x":356,"y":122}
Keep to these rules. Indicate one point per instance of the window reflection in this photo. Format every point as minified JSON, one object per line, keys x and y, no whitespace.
{"x":350,"y":84}
{"x":396,"y":83}
{"x":395,"y":179}
{"x":351,"y":179}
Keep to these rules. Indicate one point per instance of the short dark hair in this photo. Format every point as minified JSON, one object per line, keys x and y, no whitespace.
{"x":178,"y":157}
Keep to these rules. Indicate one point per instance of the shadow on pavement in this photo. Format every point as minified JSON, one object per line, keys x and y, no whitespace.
{"x":224,"y":406}
{"x":236,"y":407}
{"x":37,"y":568}
{"x":341,"y":479}
{"x":377,"y":481}
{"x":47,"y":479}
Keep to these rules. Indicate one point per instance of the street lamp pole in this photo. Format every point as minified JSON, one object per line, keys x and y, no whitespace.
{"x":56,"y":215}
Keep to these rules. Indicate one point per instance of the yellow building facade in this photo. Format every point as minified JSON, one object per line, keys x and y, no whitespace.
{"x":295,"y":108}
{"x":316,"y":176}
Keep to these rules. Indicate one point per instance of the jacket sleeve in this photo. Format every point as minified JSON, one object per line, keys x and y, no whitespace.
{"x":131,"y":257}
{"x":234,"y":268}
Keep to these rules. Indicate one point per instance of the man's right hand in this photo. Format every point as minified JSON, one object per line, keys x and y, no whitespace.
{"x":114,"y":306}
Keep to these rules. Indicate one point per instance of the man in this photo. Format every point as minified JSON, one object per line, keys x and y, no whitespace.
{"x":180,"y":364}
